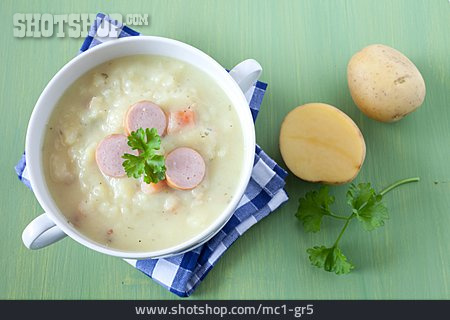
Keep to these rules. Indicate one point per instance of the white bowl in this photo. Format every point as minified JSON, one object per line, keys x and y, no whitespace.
{"x":53,"y":225}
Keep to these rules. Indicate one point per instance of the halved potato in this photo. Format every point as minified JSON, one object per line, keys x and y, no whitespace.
{"x":320,"y":143}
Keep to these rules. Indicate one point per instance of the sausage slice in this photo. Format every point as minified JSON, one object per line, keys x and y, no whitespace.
{"x":109,"y":154}
{"x":145,"y":114}
{"x":185,"y":168}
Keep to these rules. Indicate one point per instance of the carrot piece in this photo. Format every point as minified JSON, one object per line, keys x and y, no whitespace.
{"x":180,"y":119}
{"x":150,"y":188}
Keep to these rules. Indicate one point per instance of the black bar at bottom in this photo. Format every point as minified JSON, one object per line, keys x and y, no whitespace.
{"x":227,"y":309}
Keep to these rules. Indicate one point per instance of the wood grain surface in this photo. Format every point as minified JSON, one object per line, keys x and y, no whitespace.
{"x":304,"y":47}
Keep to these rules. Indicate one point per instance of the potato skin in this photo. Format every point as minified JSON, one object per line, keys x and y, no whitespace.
{"x":384,"y":83}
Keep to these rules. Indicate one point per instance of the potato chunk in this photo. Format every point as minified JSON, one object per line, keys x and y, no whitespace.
{"x":320,"y":143}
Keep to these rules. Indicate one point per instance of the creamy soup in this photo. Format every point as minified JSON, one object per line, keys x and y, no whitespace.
{"x":116,"y":212}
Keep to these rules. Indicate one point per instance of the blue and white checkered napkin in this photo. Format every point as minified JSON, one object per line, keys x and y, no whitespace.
{"x":181,"y":274}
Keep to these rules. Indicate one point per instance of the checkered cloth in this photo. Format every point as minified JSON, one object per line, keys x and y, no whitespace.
{"x":181,"y":274}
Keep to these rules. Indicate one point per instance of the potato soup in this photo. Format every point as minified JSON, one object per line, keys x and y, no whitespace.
{"x":123,"y":212}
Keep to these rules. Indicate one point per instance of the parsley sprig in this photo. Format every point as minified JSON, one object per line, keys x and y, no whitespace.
{"x":148,"y":163}
{"x":367,"y":208}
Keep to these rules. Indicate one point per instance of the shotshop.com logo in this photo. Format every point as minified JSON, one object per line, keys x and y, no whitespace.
{"x":72,"y":25}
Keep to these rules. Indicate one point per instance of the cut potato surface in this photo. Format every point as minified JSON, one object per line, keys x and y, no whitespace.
{"x":320,"y":143}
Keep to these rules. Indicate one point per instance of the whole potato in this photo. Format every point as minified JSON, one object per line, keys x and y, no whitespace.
{"x":384,"y":83}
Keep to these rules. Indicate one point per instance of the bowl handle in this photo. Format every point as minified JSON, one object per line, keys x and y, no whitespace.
{"x":41,"y":232}
{"x":246,"y":74}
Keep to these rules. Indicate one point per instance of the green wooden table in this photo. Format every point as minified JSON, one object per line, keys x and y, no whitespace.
{"x":304,"y":47}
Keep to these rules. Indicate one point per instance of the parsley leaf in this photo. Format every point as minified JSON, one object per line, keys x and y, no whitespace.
{"x":155,"y":170}
{"x":148,"y":163}
{"x":330,"y":259}
{"x":133,"y":165}
{"x":313,"y":207}
{"x":367,"y":206}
